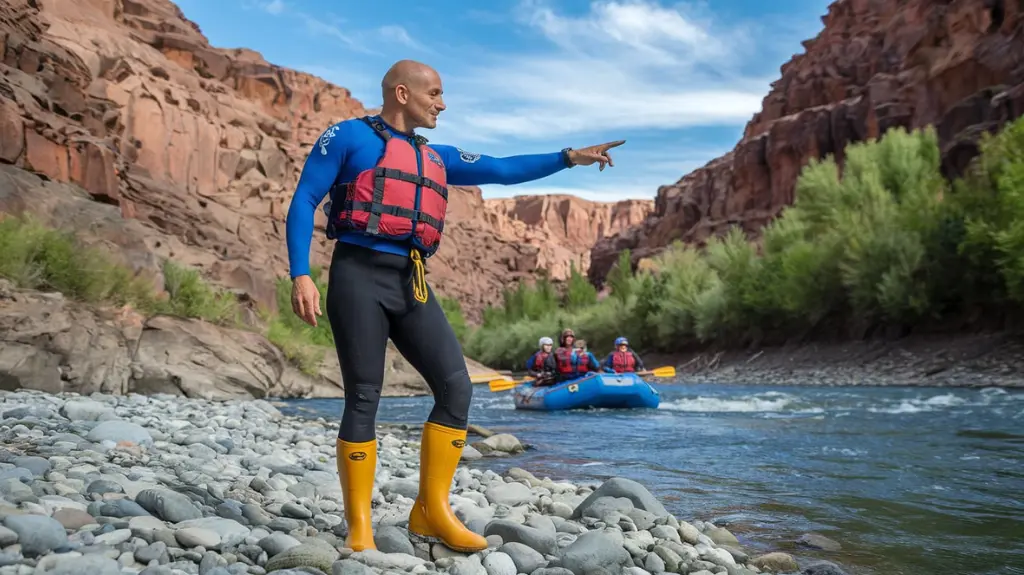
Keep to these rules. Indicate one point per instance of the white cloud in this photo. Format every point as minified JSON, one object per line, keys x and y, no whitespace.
{"x":274,"y":7}
{"x":400,"y":35}
{"x":626,"y":64}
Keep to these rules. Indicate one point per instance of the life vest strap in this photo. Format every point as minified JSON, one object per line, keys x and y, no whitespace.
{"x":396,"y":174}
{"x":389,"y":210}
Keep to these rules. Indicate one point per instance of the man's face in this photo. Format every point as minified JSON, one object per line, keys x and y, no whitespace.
{"x":623,"y":347}
{"x":424,"y":100}
{"x":569,"y":339}
{"x":546,"y":347}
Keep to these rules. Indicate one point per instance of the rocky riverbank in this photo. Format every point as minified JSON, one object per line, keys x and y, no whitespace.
{"x":971,"y":360}
{"x":163,"y":485}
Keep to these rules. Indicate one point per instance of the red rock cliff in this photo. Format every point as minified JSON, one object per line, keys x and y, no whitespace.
{"x":127,"y":99}
{"x":957,"y":64}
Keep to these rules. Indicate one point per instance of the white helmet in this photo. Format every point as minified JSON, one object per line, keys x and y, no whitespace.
{"x":545,"y":341}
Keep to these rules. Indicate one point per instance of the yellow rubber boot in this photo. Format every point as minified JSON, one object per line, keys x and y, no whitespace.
{"x":432,"y":516}
{"x":357,"y":465}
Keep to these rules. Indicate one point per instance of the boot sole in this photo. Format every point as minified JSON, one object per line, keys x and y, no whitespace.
{"x":435,"y":539}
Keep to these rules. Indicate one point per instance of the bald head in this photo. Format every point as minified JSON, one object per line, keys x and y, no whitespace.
{"x":409,"y":73}
{"x":413,"y":91}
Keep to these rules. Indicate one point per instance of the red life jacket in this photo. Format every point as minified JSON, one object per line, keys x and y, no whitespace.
{"x":623,"y":361}
{"x":538,"y":360}
{"x":563,"y":361}
{"x":582,"y":362}
{"x":405,"y":196}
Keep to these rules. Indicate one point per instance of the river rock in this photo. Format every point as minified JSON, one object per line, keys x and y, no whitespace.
{"x":168,"y":505}
{"x":640,"y":497}
{"x":822,"y":568}
{"x":776,"y":562}
{"x":817,"y":541}
{"x":596,"y":549}
{"x":37,"y":535}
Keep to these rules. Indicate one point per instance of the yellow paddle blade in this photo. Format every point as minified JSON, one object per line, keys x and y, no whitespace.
{"x":497,"y":385}
{"x":501,"y":385}
{"x":667,"y":371}
{"x":483,"y":377}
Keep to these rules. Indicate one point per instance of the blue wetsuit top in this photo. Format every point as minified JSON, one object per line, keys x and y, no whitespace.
{"x":348,"y":148}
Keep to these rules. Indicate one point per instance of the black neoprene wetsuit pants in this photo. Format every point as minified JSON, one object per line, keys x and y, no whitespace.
{"x":369,"y":299}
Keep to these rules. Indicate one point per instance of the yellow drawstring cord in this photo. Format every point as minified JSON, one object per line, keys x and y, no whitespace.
{"x":419,"y":280}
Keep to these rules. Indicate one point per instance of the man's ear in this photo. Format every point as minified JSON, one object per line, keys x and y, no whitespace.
{"x":402,"y":94}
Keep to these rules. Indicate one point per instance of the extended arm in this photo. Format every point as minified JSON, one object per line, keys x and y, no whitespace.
{"x":466,"y":169}
{"x":639,"y":362}
{"x":607,"y":365}
{"x":318,"y":175}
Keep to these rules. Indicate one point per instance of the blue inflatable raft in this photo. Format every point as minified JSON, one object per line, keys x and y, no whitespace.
{"x":600,"y":390}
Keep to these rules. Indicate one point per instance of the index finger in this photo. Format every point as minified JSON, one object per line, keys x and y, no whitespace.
{"x":614,"y":144}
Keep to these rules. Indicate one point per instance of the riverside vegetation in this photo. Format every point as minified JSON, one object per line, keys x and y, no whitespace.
{"x":885,"y":242}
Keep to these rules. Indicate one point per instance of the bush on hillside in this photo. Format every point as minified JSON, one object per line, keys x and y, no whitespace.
{"x":34,"y":256}
{"x":453,"y":311}
{"x":884,"y":241}
{"x":303,"y":344}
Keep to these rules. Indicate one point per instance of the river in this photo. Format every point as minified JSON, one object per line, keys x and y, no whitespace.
{"x":911,"y":481}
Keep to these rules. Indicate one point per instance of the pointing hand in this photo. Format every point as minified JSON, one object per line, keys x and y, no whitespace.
{"x":592,"y":154}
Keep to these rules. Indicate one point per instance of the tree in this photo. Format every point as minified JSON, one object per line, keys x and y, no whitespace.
{"x":453,"y":311}
{"x":579,"y":292}
{"x":621,"y":276}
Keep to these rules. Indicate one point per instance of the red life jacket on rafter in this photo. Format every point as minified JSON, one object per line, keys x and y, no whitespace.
{"x":582,"y":362}
{"x":405,"y":196}
{"x":563,"y":361}
{"x":623,"y":361}
{"x":538,"y":360}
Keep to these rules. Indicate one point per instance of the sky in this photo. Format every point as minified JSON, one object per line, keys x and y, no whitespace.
{"x":677,"y":81}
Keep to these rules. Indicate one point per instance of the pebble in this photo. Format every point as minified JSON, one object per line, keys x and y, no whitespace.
{"x":163,"y":485}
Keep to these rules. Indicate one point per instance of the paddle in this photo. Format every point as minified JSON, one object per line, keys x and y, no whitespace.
{"x":497,"y":385}
{"x":667,"y":371}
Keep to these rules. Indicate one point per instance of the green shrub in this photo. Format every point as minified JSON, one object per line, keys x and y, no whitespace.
{"x":453,"y":311}
{"x":190,"y":296}
{"x":34,"y":256}
{"x":303,"y":344}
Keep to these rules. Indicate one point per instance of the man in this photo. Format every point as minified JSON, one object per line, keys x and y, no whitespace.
{"x":623,"y":359}
{"x":585,"y":361}
{"x":563,"y":361}
{"x":387,"y":207}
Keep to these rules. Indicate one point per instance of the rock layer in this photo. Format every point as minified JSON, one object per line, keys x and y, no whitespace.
{"x":956,"y":64}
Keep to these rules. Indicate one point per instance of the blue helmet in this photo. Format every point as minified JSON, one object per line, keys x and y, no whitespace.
{"x":621,"y":341}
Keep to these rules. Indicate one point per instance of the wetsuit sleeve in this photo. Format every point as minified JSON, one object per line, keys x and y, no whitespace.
{"x":607,"y":365}
{"x":468,"y":169}
{"x":594,"y":365}
{"x":639,"y":362}
{"x":529,"y":363}
{"x":321,"y":169}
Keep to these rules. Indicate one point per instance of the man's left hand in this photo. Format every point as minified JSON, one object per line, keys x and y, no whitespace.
{"x":592,"y":154}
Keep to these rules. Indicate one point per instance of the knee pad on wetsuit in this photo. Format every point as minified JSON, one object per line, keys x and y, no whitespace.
{"x":452,"y":401}
{"x":358,"y":422}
